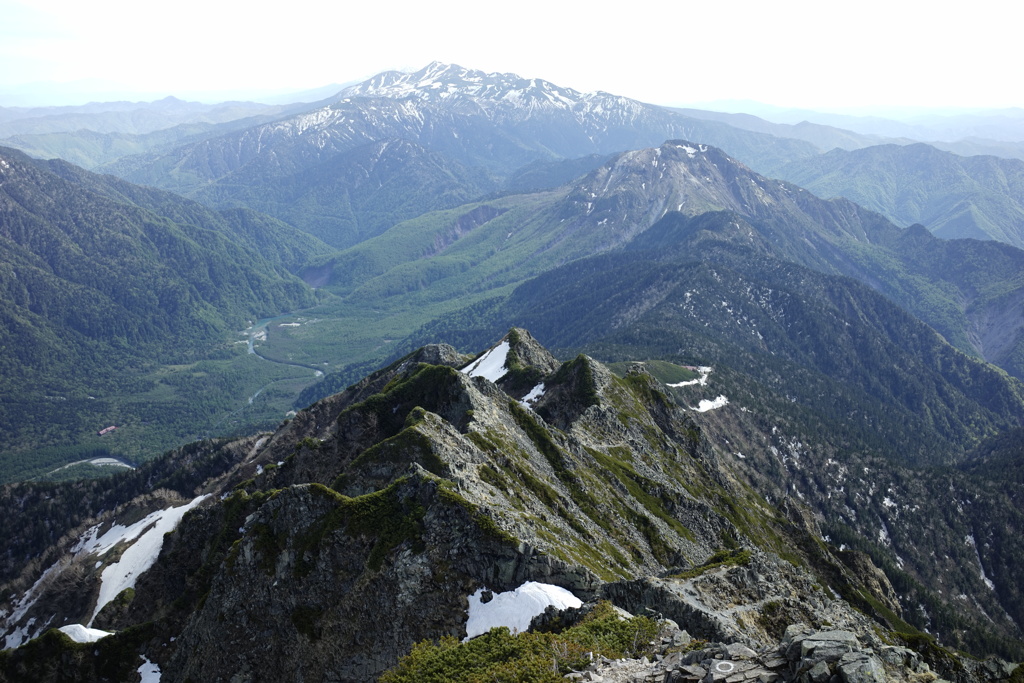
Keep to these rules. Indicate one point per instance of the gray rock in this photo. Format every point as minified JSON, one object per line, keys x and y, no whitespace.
{"x":745,"y":671}
{"x":773,"y":661}
{"x":721,"y":670}
{"x":902,"y":657}
{"x":999,"y":668}
{"x":836,"y":636}
{"x":692,"y":672}
{"x":681,"y":639}
{"x":819,"y":673}
{"x":826,"y":646}
{"x":794,"y":631}
{"x":672,"y":660}
{"x":739,"y":651}
{"x":860,"y":667}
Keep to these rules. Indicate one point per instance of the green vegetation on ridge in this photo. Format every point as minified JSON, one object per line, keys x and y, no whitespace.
{"x":500,"y":655}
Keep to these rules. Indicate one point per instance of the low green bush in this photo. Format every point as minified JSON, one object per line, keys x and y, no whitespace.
{"x":502,"y":656}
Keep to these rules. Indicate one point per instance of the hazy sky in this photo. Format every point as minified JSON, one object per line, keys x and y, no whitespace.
{"x":790,"y":52}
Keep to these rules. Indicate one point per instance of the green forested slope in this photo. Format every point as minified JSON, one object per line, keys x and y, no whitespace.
{"x":272,"y":239}
{"x":356,"y":194}
{"x":954,"y":196}
{"x":96,"y":292}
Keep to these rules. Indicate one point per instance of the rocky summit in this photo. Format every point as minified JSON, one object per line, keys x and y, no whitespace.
{"x":447,"y":489}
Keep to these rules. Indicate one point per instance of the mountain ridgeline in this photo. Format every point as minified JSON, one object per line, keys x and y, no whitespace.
{"x":828,"y":341}
{"x":478,"y":128}
{"x":364,"y":525}
{"x":99,"y":133}
{"x":968,"y":291}
{"x":955,"y":196}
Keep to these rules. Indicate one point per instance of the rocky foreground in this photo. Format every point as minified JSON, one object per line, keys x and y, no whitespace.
{"x":805,"y":654}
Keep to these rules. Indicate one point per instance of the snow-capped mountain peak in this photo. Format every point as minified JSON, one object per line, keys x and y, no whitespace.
{"x":446,"y":82}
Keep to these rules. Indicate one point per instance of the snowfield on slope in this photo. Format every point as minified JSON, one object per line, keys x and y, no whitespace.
{"x":535,"y":394}
{"x":81,"y":634}
{"x":139,"y":557}
{"x":515,"y":609}
{"x":491,"y":365}
{"x":149,"y":672}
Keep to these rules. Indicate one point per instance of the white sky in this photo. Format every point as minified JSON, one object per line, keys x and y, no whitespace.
{"x":790,"y":52}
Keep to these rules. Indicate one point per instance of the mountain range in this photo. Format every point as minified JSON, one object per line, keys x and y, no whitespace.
{"x":976,"y":196}
{"x":124,"y":117}
{"x":771,"y":417}
{"x":493,"y":123}
{"x":967,"y":290}
{"x":963,"y":131}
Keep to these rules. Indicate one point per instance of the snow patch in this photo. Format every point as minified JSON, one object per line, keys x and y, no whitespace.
{"x":148,"y":671}
{"x":533,"y":396}
{"x":690,"y":151}
{"x":21,"y":635}
{"x":515,"y":609}
{"x":491,"y":365}
{"x":140,"y":556}
{"x":82,"y":634}
{"x":705,"y":405}
{"x":969,"y":540}
{"x":25,"y":633}
{"x":703,"y":370}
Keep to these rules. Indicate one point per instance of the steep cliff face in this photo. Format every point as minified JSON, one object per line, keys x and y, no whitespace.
{"x":338,"y":588}
{"x":365,"y":524}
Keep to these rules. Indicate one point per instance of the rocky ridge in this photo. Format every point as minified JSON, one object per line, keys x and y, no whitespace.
{"x":361,"y":527}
